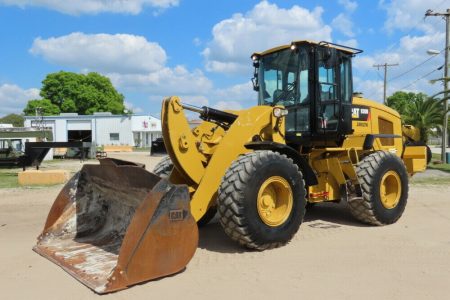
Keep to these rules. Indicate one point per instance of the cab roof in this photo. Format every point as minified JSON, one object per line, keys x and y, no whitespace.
{"x":342,"y":48}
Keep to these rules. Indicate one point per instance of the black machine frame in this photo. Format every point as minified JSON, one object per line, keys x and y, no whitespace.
{"x":316,"y":135}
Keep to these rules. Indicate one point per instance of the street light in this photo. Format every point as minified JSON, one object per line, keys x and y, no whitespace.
{"x":433,"y":52}
{"x":445,"y":81}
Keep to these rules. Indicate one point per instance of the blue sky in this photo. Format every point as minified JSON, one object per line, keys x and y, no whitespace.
{"x":200,"y":49}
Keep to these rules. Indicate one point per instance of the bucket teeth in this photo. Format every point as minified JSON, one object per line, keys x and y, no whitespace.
{"x":115,"y":224}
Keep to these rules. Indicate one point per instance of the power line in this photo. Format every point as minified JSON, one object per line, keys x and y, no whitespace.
{"x":385,"y":66}
{"x":365,"y":74}
{"x":379,"y":74}
{"x":413,"y":28}
{"x":446,"y":16}
{"x":396,"y":42}
{"x":415,"y":67}
{"x":374,"y":92}
{"x":421,"y":77}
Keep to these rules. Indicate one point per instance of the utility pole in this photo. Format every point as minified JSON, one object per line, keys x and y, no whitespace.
{"x":446,"y":17}
{"x":385,"y":66}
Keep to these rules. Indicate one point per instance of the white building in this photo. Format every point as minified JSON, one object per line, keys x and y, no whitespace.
{"x":101,"y":128}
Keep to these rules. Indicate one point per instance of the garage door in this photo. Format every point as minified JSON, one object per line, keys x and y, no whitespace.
{"x":79,"y":125}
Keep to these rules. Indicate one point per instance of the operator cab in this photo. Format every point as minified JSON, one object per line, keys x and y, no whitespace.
{"x":313,"y":81}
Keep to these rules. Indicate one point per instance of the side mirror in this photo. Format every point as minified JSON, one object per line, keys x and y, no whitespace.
{"x":255,"y":84}
{"x":255,"y":76}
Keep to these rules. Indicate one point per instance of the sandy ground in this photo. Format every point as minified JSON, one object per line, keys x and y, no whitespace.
{"x":331,"y":257}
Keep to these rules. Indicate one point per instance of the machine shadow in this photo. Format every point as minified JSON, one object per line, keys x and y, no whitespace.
{"x":321,"y":216}
{"x":213,"y":238}
{"x":336,"y":213}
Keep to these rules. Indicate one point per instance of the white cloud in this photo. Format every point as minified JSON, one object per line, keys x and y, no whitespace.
{"x":166,"y":81}
{"x":407,"y":14}
{"x":349,"y":5}
{"x":132,"y":107}
{"x":197,"y":41}
{"x":410,"y":52}
{"x":231,"y":105}
{"x":343,"y":24}
{"x":78,"y":7}
{"x":13,"y":98}
{"x":372,"y":89}
{"x":131,"y":62}
{"x":237,"y":96}
{"x":123,"y":53}
{"x":349,"y":43}
{"x":266,"y":25}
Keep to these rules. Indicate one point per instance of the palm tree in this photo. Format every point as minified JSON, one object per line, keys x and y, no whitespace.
{"x":425,"y":114}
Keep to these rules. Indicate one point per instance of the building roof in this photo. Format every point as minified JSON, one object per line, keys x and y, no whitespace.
{"x":75,"y":116}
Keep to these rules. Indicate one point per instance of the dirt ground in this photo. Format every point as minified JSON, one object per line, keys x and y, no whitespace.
{"x":331,"y":257}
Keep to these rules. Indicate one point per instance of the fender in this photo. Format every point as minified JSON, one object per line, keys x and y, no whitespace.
{"x":308,"y":174}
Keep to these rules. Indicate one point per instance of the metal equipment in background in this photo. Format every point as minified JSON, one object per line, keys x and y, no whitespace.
{"x":35,"y":152}
{"x":158,"y":147}
{"x":10,"y":157}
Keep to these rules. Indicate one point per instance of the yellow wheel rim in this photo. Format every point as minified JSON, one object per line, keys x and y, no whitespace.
{"x":390,"y":189}
{"x":274,"y":201}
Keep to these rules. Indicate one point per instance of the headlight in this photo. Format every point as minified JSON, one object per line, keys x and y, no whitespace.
{"x":279,"y":112}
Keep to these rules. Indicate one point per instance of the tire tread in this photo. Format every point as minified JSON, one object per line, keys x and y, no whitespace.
{"x":231,"y":191}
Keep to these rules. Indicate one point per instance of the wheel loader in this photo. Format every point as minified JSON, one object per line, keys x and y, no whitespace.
{"x":309,"y":140}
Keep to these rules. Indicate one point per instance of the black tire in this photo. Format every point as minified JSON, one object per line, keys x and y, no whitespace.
{"x":429,"y":154}
{"x":164,"y":167}
{"x":237,"y":200}
{"x":370,"y":171}
{"x":210,"y":214}
{"x":163,"y":170}
{"x":310,"y":205}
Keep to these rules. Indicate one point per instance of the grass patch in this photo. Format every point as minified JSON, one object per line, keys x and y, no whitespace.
{"x":435,"y":156}
{"x":441,"y":167}
{"x":431,"y":180}
{"x":8,"y":180}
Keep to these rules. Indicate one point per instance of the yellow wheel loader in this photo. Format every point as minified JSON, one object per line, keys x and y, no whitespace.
{"x":307,"y":141}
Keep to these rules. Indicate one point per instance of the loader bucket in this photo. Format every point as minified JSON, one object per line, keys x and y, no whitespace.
{"x":115,"y":224}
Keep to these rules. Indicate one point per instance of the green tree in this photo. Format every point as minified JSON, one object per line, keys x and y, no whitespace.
{"x":400,"y":101}
{"x":425,"y":114}
{"x":419,"y":110}
{"x":48,"y":108}
{"x":82,"y":93}
{"x":15,"y":119}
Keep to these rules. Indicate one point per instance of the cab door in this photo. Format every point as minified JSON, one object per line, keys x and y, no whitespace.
{"x":345,"y":93}
{"x":327,"y":96}
{"x":333,"y":94}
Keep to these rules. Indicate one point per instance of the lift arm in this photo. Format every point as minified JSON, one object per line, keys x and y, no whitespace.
{"x":202,"y":155}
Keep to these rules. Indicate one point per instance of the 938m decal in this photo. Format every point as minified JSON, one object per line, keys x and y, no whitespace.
{"x":360,"y":113}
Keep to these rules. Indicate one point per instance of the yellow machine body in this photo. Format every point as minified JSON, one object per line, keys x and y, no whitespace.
{"x":115,"y":224}
{"x":202,"y":155}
